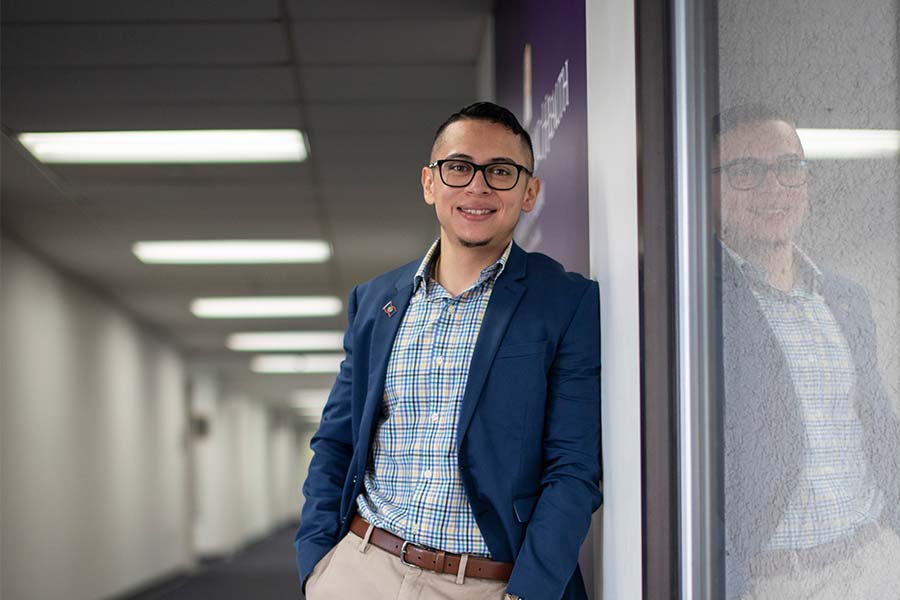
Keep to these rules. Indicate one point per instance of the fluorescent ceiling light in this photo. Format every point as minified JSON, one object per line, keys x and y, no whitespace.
{"x":297,"y":363}
{"x":849,"y":143}
{"x":232,"y":252}
{"x":257,"y":307}
{"x":263,"y":341}
{"x":183,"y":146}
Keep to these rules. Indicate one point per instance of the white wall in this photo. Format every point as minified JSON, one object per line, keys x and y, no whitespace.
{"x":253,"y":443}
{"x":217,"y":524}
{"x":612,"y":189}
{"x":92,"y":454}
{"x":287,"y":469}
{"x":247,"y":469}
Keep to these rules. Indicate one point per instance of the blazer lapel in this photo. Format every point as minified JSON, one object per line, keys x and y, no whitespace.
{"x":384,"y":330}
{"x":504,"y":299}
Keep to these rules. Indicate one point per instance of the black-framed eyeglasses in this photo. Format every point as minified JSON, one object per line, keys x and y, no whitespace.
{"x":749,"y":173}
{"x":500,"y":176}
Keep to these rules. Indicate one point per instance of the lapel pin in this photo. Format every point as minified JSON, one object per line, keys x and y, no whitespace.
{"x":389,"y":308}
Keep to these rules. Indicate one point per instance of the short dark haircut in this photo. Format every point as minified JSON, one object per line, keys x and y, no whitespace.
{"x":747,"y":114}
{"x":493,"y":113}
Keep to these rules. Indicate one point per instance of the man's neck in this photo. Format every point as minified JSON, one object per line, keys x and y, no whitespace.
{"x":775,"y":260}
{"x":459,"y":267}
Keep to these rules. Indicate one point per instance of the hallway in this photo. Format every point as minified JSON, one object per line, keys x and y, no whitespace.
{"x":264,"y":571}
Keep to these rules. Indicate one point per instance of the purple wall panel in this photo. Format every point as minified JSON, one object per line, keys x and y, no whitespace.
{"x":555,"y":32}
{"x":557,"y":122}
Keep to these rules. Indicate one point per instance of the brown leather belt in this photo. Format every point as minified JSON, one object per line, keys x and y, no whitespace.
{"x":431,"y":560}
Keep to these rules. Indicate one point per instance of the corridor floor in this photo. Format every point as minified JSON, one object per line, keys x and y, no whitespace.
{"x":264,"y":571}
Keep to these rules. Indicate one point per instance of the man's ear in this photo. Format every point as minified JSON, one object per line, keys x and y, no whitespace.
{"x":428,"y":185}
{"x":532,"y":190}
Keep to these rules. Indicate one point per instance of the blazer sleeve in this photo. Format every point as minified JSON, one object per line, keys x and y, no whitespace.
{"x":332,"y":445}
{"x":570,"y":490}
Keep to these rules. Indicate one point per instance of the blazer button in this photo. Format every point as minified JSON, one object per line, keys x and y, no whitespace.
{"x":355,"y":478}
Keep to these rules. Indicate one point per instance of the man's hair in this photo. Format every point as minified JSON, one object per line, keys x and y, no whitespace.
{"x":747,"y":114}
{"x":493,"y":113}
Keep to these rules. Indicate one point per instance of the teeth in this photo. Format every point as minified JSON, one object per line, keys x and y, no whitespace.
{"x":474,"y":211}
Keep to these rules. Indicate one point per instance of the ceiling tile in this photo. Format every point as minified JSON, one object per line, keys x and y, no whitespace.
{"x":143,"y":85}
{"x":419,"y":119}
{"x":396,"y":9}
{"x":144,"y":45}
{"x":445,"y":41}
{"x":364,"y":84}
{"x":49,"y":114}
{"x":115,"y":10}
{"x":149,"y":174}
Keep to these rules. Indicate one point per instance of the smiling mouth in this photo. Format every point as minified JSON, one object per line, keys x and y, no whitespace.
{"x":477,"y":212}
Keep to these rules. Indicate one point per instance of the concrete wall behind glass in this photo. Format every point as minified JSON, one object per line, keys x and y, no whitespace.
{"x":831,"y":64}
{"x":811,"y":382}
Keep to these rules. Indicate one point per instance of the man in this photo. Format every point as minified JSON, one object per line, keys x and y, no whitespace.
{"x":458,"y":454}
{"x":812,"y":444}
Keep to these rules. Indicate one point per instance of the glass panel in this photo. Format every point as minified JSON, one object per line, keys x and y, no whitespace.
{"x":806,"y":191}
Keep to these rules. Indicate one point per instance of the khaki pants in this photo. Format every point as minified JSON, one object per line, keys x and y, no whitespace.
{"x":872,"y":572}
{"x":356,"y":569}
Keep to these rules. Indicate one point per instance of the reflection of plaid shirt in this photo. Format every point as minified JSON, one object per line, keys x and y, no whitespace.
{"x":836,"y":492}
{"x":412,"y":482}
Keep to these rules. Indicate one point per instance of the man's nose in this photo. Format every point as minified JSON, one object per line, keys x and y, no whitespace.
{"x":770,"y":182}
{"x":479,"y":183}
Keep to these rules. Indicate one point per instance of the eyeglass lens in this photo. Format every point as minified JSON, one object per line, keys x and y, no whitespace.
{"x":746,"y":175}
{"x":459,"y":173}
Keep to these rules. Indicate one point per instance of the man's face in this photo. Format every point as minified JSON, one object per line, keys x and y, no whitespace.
{"x":477,"y":215}
{"x":770,"y":213}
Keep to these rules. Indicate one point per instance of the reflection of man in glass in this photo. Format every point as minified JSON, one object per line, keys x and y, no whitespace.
{"x":812,"y":480}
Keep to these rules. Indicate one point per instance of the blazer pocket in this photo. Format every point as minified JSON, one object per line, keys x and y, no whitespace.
{"x":526,"y":349}
{"x":523,"y":507}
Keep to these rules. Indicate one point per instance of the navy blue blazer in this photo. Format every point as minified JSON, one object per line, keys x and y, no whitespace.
{"x":763,"y":427}
{"x":528,"y":431}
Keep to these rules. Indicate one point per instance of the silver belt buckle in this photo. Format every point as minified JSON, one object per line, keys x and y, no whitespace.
{"x":403,"y":556}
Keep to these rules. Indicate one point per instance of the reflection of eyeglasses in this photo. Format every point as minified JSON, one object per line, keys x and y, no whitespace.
{"x":749,"y":173}
{"x":460,"y":173}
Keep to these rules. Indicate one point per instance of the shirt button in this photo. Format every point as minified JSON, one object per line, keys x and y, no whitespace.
{"x":435,"y":416}
{"x":427,"y":474}
{"x":439,"y":360}
{"x":450,"y":310}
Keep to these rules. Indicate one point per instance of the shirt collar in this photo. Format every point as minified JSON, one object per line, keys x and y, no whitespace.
{"x":809,"y":275}
{"x":426,"y":267}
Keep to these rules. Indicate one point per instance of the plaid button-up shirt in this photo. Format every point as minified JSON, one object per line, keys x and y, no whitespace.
{"x":412,"y":485}
{"x":836,"y":492}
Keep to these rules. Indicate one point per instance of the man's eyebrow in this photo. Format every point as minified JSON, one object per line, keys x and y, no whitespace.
{"x":495,"y":159}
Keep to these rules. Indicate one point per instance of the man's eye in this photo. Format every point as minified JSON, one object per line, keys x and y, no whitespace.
{"x":458,"y":167}
{"x":744,"y":169}
{"x":501,"y":170}
{"x":793,"y":164}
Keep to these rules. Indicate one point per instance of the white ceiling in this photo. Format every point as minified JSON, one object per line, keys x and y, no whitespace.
{"x":367,"y":81}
